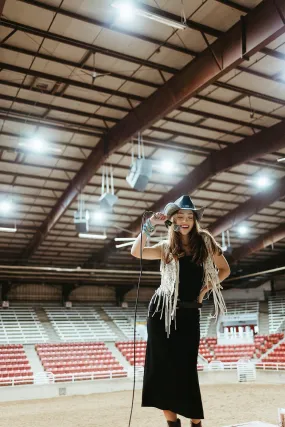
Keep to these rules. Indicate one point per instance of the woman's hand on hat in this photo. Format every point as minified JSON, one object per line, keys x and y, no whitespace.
{"x":158,"y":218}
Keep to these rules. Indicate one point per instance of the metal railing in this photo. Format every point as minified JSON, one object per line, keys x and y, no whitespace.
{"x":44,"y":378}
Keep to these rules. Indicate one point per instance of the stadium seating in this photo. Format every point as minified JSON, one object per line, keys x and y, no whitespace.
{"x":14,"y":366}
{"x":276,"y":314}
{"x":94,"y":360}
{"x":277,"y":355}
{"x":21,"y":326}
{"x":242,"y":307}
{"x":127,"y":350}
{"x":79,"y":324}
{"x":232,"y":353}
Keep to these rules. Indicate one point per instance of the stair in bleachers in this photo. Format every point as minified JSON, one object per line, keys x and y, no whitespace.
{"x":43,"y":318}
{"x":123,"y":318}
{"x":276,"y":353}
{"x":33,"y":358}
{"x":106,"y":318}
{"x":205,"y":318}
{"x":118,"y":355}
{"x":212,"y":329}
{"x":276,"y":310}
{"x":263,"y":323}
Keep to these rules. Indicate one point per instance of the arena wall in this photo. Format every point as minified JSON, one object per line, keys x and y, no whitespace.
{"x":144,"y":296}
{"x":93,"y":293}
{"x":32,"y":392}
{"x":35,"y":292}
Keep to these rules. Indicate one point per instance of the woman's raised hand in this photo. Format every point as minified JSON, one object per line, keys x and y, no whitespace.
{"x":158,"y":218}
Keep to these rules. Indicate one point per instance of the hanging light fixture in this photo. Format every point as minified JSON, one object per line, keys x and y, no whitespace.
{"x":141,"y":168}
{"x":107,"y":199}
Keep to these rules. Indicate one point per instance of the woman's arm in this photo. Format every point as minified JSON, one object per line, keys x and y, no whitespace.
{"x":153,"y":252}
{"x":224,"y":271}
{"x":223,"y":266}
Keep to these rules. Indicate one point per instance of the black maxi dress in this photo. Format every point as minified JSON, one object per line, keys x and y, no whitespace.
{"x":170,"y":375}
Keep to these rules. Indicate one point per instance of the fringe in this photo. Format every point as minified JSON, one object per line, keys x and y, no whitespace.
{"x":168,"y":290}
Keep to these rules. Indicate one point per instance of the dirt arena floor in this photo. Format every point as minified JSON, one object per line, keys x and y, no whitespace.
{"x":223,"y":405}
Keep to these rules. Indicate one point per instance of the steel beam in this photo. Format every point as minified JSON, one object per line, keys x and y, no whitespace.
{"x":259,"y":243}
{"x":250,"y":207}
{"x":2,"y":4}
{"x":248,"y":149}
{"x":263,"y":25}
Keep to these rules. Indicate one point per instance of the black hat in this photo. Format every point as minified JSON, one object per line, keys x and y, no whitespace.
{"x":184,"y":202}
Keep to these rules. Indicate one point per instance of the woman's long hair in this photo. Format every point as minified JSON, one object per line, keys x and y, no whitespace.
{"x":197,"y":245}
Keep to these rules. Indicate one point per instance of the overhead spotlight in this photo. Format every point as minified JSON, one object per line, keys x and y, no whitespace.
{"x":108,"y":197}
{"x":5,"y":207}
{"x":81,"y":216}
{"x":98,"y":217}
{"x":263,"y":182}
{"x":166,"y":166}
{"x":39,"y":145}
{"x":141,"y":168}
{"x":127,"y":8}
{"x":140,"y":173}
{"x":242,"y":230}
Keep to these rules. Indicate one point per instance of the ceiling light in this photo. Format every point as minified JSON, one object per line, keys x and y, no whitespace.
{"x":281,"y":160}
{"x":39,"y":145}
{"x":127,"y":8}
{"x":167,"y":166}
{"x":92,"y":236}
{"x":260,"y":181}
{"x":243,"y":230}
{"x":98,"y":216}
{"x":263,"y":182}
{"x":8,"y":229}
{"x":5,"y":207}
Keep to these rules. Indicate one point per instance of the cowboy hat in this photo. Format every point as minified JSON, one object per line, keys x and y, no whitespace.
{"x":184,"y":202}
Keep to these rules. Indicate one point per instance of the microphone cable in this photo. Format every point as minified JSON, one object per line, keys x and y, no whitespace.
{"x":135,"y":318}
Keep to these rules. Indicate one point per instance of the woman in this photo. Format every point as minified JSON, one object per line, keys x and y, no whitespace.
{"x":192,"y":264}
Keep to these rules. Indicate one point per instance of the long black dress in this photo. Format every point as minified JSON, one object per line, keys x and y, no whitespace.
{"x":170,"y":374}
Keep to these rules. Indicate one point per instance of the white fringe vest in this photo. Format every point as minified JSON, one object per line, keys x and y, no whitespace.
{"x":168,"y":290}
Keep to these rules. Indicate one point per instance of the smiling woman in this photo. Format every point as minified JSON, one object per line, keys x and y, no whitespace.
{"x":192,"y":264}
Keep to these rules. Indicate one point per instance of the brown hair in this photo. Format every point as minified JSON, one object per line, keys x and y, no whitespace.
{"x":199,"y":250}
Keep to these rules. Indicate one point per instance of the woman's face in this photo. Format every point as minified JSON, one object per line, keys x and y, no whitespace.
{"x":184,"y":218}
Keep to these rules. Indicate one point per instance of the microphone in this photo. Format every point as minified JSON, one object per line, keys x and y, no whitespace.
{"x":169,"y":223}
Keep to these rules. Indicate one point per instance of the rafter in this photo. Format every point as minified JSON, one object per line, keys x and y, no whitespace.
{"x":249,"y":148}
{"x":250,"y":207}
{"x":188,"y":82}
{"x":259,"y":243}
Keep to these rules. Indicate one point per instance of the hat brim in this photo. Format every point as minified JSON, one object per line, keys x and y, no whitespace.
{"x":171,"y":208}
